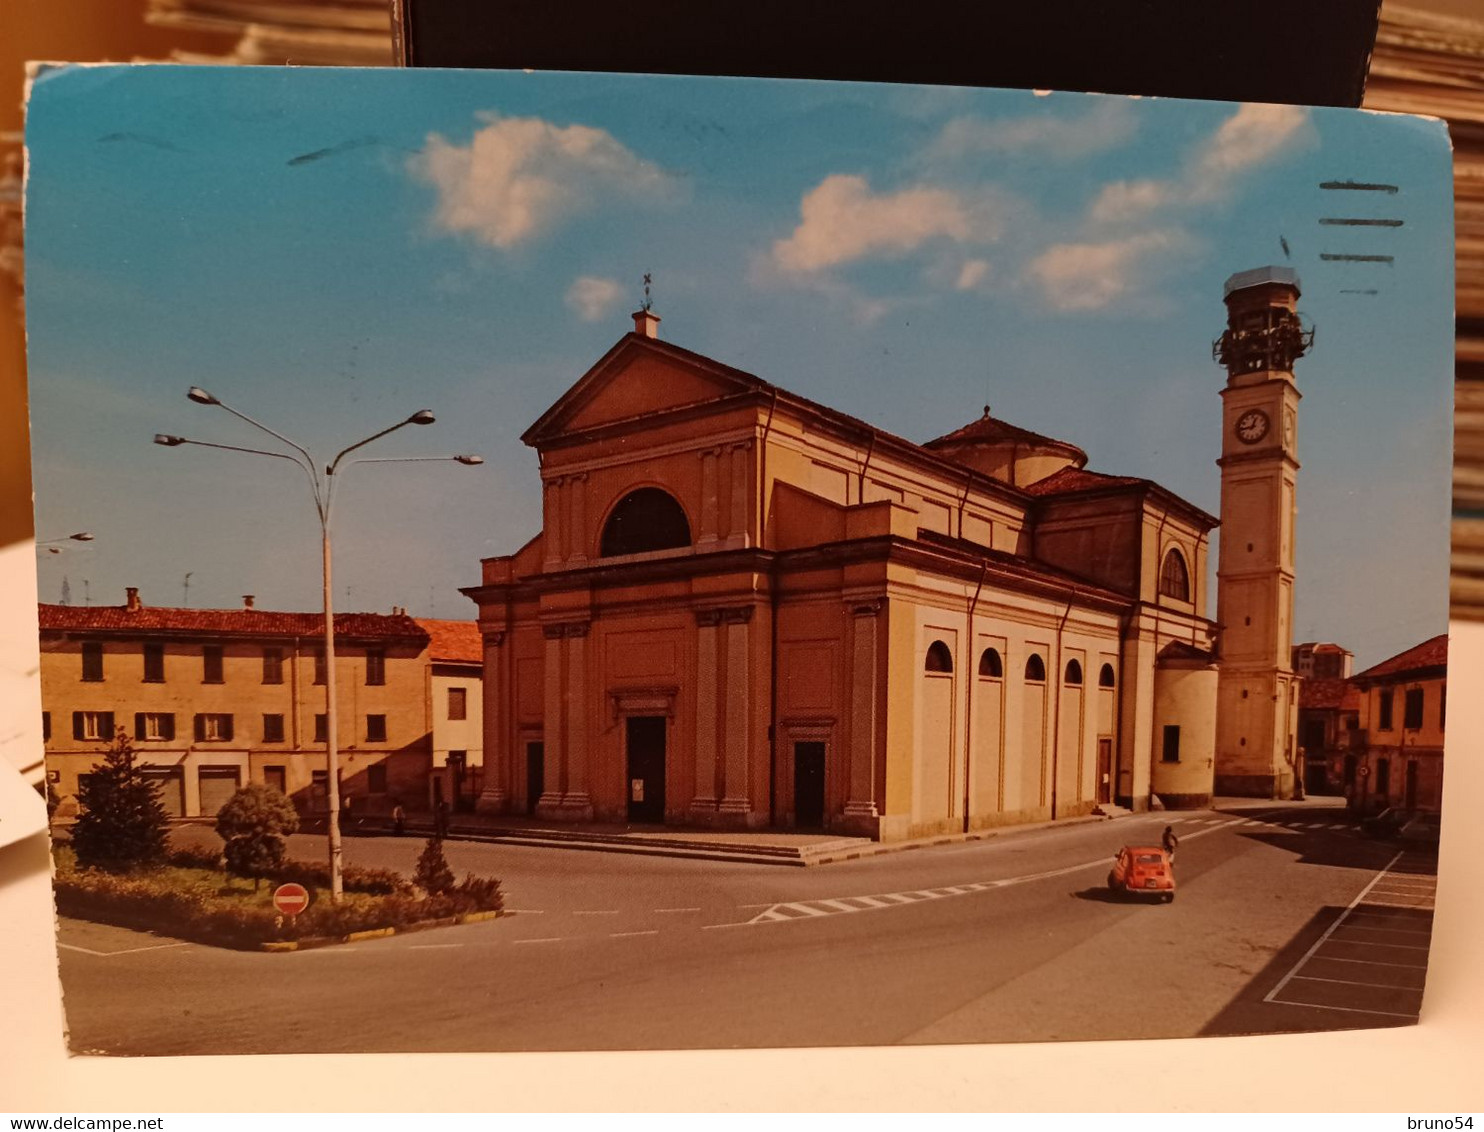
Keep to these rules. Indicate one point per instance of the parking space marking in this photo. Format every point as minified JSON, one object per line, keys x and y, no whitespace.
{"x":125,"y":951}
{"x":1353,"y":983}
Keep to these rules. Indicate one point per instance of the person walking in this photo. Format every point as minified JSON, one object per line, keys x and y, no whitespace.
{"x":440,"y":819}
{"x":1169,"y":841}
{"x":399,"y":817}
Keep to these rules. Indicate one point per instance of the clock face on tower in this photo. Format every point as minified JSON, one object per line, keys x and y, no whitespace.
{"x":1252,"y":426}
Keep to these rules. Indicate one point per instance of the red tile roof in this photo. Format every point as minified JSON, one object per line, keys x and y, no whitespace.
{"x":1328,"y":695}
{"x":988,"y":430}
{"x":223,"y":622}
{"x":1067,"y":480}
{"x":454,"y":640}
{"x":1429,"y":654}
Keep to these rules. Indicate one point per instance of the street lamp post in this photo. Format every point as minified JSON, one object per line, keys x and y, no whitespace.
{"x":50,"y":544}
{"x":322,"y":487}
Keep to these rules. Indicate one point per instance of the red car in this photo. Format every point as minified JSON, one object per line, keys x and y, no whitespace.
{"x":1142,"y":870}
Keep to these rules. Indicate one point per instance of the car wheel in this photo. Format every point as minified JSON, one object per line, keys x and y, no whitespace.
{"x":1112,"y":884}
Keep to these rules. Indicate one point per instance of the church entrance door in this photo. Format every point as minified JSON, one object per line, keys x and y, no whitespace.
{"x":646,"y":764}
{"x":1105,"y":770}
{"x":809,"y":785}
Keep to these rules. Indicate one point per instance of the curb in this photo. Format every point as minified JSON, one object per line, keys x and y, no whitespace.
{"x":312,"y":942}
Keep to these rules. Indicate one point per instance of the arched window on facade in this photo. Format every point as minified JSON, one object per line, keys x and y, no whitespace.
{"x":939,"y":659}
{"x":990,"y":664}
{"x":1074,"y":673}
{"x":1174,"y":577}
{"x":1035,"y":669}
{"x":645,"y":519}
{"x":1105,"y":677}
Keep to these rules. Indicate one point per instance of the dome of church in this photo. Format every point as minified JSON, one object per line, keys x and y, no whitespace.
{"x":1007,"y":452}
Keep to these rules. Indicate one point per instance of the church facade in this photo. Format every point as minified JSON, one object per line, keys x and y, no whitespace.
{"x":746,"y":609}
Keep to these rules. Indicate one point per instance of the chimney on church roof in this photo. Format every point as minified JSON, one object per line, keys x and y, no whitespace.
{"x":131,"y":599}
{"x":646,"y":323}
{"x":247,"y":601}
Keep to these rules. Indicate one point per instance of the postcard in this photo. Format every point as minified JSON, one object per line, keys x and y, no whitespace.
{"x":594,"y":562}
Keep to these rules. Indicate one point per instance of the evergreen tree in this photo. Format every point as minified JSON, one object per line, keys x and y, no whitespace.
{"x":433,"y":874}
{"x":123,"y":825}
{"x":254,"y":823}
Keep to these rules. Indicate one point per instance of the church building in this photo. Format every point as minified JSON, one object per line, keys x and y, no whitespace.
{"x":746,"y":609}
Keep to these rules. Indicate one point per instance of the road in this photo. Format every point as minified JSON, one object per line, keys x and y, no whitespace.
{"x":1285,"y":920}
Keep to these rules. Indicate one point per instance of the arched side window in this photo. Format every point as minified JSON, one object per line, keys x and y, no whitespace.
{"x":1074,"y":673}
{"x":1035,"y":668}
{"x":645,"y":519}
{"x":990,"y":664}
{"x":939,"y":659}
{"x":1174,"y":577}
{"x":1105,"y":677}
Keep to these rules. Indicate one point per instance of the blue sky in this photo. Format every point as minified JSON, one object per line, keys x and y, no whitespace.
{"x":329,"y":251}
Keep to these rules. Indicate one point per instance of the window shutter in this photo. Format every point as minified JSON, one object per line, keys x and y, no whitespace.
{"x":77,"y":731}
{"x":200,"y":728}
{"x":105,"y":731}
{"x":167,"y":726}
{"x":227,"y":728}
{"x":139,"y":725}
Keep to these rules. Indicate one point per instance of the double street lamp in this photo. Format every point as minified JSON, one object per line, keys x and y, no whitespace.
{"x":322,"y":487}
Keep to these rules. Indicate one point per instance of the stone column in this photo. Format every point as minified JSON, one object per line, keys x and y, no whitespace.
{"x":737,"y":799}
{"x":708,"y":631}
{"x":577,"y":803}
{"x":495,"y":798}
{"x":740,"y":494}
{"x":554,"y":718}
{"x":861,"y":801}
{"x":577,"y":518}
{"x":710,"y":495}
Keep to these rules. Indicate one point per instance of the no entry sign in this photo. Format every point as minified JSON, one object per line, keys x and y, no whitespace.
{"x":291,"y":898}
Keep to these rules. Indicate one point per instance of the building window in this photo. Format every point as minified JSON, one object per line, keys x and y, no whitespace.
{"x":376,"y":729}
{"x":1035,"y":668}
{"x":1385,"y":724}
{"x":272,"y":728}
{"x":273,"y":666}
{"x":154,"y":725}
{"x":211,"y":664}
{"x":46,"y":726}
{"x":92,"y":725}
{"x":1074,"y":673}
{"x":1171,"y":751}
{"x":1412,"y":709}
{"x":321,"y":728}
{"x":990,"y":664}
{"x":276,"y":777}
{"x":213,"y":727}
{"x":154,"y":664}
{"x":375,"y":666}
{"x":319,"y":665}
{"x":939,"y":659}
{"x":644,"y":520}
{"x":1105,"y":677}
{"x":1174,"y":578}
{"x":458,"y":703}
{"x":92,"y":661}
{"x":376,"y":778}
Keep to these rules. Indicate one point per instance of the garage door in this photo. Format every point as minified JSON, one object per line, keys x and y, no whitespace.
{"x":218,"y":783}
{"x":171,"y":783}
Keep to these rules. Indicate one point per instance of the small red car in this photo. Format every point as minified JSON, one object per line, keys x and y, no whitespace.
{"x":1141,"y":870}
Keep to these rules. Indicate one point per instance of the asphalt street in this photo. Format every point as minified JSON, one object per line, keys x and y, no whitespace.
{"x":1286,"y":919}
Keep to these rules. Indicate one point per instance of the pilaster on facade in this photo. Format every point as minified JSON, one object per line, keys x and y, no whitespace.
{"x":710,"y":532}
{"x":495,"y":798}
{"x":737,"y":798}
{"x":565,"y":794}
{"x":742,"y":489}
{"x":861,"y":813}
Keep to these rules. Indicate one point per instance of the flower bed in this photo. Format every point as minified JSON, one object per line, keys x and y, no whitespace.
{"x":205,"y":905}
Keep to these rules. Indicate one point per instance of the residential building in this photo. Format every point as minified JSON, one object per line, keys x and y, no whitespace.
{"x":1397,"y":758}
{"x":456,"y":705}
{"x":748,"y":609}
{"x":216,"y":698}
{"x":1322,"y":660}
{"x":1329,"y":722}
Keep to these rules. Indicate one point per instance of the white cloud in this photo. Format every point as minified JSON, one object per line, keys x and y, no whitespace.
{"x":593,"y":297}
{"x":520,"y":177}
{"x":1253,"y":136}
{"x":972,"y":274}
{"x":1094,"y":275}
{"x":1110,"y":123}
{"x":842,"y":220}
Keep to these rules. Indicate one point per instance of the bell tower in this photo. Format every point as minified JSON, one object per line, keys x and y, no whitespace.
{"x":1257,"y":691}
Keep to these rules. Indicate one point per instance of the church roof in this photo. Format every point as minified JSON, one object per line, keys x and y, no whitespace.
{"x":1074,"y":481}
{"x":1431,"y":653}
{"x":990,"y":430}
{"x":1179,"y":650}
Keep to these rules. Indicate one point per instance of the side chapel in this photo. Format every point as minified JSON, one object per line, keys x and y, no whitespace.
{"x":746,"y":609}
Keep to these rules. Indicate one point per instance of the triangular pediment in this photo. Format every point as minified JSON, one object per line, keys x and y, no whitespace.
{"x":638,"y":378}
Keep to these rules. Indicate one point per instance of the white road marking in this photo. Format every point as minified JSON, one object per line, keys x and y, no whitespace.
{"x":432,"y":946}
{"x":677,"y":909}
{"x":606,"y":912}
{"x":547,"y":939}
{"x":125,"y":951}
{"x":525,"y":912}
{"x":1353,"y":983}
{"x":1372,"y":962}
{"x":625,"y":935}
{"x":1349,"y":1009}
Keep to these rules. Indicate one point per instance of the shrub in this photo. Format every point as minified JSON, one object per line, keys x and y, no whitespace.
{"x":433,"y":875}
{"x":195,"y":857}
{"x":122,"y":825}
{"x":355,"y":878}
{"x":252,"y":826}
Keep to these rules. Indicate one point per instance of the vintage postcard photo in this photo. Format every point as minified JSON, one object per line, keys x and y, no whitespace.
{"x":586,"y":562}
